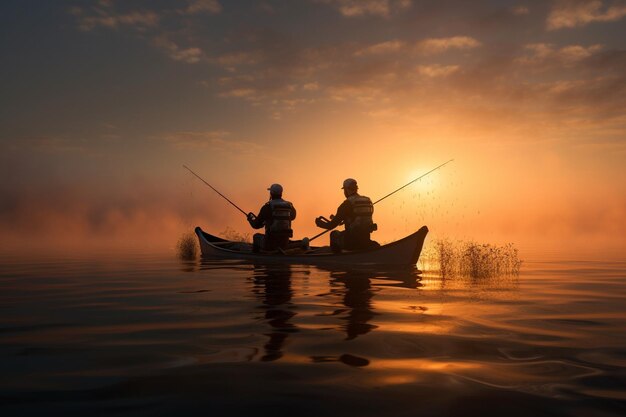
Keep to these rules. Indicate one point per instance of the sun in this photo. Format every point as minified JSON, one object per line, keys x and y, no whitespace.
{"x":427,"y":183}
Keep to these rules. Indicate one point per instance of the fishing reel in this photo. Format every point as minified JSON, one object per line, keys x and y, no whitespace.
{"x":322,"y":221}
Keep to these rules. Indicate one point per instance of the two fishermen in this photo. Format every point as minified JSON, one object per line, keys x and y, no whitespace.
{"x":355,"y":213}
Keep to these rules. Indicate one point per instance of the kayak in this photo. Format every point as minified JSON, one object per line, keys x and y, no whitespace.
{"x":405,"y":251}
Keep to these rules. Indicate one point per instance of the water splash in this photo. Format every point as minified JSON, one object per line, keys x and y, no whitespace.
{"x":187,"y":246}
{"x":472,"y":259}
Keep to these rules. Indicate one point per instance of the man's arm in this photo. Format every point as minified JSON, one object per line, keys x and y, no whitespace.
{"x":258,"y":221}
{"x":342,"y":213}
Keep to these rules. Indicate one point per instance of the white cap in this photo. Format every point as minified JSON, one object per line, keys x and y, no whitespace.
{"x":349,"y":183}
{"x":276,"y":189}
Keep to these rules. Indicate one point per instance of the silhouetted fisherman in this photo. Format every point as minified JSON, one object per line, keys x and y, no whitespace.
{"x":356,"y":214}
{"x":276,"y":215}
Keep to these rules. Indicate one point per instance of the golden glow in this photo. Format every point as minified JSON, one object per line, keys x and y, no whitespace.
{"x":538,"y":144}
{"x":429,"y":365}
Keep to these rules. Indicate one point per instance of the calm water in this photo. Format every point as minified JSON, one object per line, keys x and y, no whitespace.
{"x":157,"y":336}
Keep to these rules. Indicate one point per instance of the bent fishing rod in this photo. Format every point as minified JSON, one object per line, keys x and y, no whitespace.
{"x":391,"y":193}
{"x":222,"y":195}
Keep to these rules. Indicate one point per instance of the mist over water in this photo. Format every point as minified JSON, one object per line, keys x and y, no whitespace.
{"x":147,"y":335}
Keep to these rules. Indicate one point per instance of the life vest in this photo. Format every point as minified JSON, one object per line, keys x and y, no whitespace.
{"x":281,"y":218}
{"x":362,"y":212}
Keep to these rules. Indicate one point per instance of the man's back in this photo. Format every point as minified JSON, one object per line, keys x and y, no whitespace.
{"x":276,"y":216}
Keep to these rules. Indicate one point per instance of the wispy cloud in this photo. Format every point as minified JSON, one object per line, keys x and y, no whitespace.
{"x":574,"y":53}
{"x":108,"y":18}
{"x":311,"y":86}
{"x":361,"y":73}
{"x":116,"y":15}
{"x":439,"y":45}
{"x":392,"y":46}
{"x":520,"y":10}
{"x":139,"y":20}
{"x":232,"y":60}
{"x":542,"y":54}
{"x":105,"y":13}
{"x":434,"y":71}
{"x":356,"y":8}
{"x":576,"y":13}
{"x":203,"y":6}
{"x":250,"y":93}
{"x":190,"y":55}
{"x":273,"y":70}
{"x":429,"y":46}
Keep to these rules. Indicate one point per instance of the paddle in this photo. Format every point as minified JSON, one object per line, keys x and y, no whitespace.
{"x":391,"y":193}
{"x":222,"y":195}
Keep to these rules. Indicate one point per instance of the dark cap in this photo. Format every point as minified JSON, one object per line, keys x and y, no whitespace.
{"x":349,"y":183}
{"x":276,"y":189}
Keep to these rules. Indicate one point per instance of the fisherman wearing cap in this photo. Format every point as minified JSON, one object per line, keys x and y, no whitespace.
{"x":356,"y":214}
{"x":276,"y":215}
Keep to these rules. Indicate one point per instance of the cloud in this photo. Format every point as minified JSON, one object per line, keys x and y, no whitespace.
{"x":436,"y":70}
{"x":382,"y":48}
{"x":234,"y":59}
{"x":520,"y":10}
{"x":270,"y":68}
{"x":362,"y":94}
{"x":347,"y":71}
{"x":241,"y":93}
{"x":356,"y":8}
{"x":203,"y":6}
{"x":537,"y":51}
{"x":602,"y":98}
{"x":576,"y":13}
{"x":311,"y":86}
{"x":190,"y":55}
{"x":105,"y":14}
{"x":103,"y":17}
{"x":543,"y":55}
{"x":574,"y":53}
{"x":439,"y":45}
{"x":529,"y":81}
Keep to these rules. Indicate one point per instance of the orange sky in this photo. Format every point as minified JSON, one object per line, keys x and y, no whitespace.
{"x":106,"y":100}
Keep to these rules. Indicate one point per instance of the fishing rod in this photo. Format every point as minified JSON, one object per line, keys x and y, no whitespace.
{"x":391,"y":193}
{"x":416,"y":179}
{"x":222,"y":195}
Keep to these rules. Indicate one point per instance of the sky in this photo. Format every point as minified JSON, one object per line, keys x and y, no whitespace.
{"x":103,"y":101}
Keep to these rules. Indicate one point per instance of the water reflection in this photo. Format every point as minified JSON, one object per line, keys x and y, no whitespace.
{"x":142,"y":337}
{"x":434,"y":280}
{"x":355,"y":290}
{"x":346,"y":358}
{"x":272,"y":287}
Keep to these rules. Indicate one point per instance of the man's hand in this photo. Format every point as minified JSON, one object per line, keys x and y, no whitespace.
{"x":251,"y":217}
{"x":321,"y":222}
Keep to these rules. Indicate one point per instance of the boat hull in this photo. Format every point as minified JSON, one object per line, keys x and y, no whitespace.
{"x":402,"y":252}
